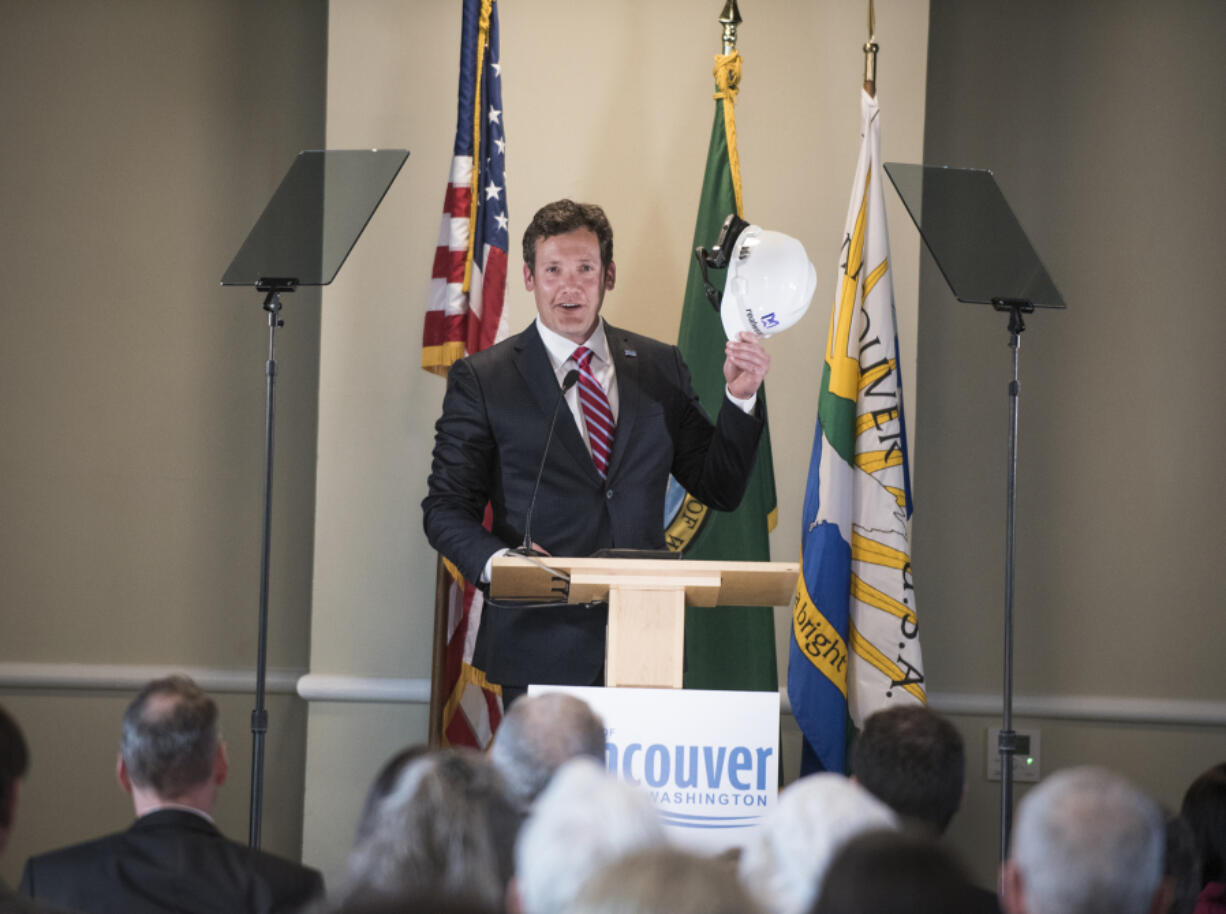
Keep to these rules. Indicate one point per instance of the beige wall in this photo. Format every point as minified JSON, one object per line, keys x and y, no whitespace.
{"x":145,"y":136}
{"x":1082,"y":119}
{"x":1095,"y":120}
{"x":610,"y":104}
{"x":141,"y":141}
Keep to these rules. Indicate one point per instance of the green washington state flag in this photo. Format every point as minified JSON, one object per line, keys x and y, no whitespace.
{"x":726,"y":647}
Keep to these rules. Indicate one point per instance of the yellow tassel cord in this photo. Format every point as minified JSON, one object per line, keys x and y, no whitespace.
{"x":483,"y":40}
{"x":727,"y":84}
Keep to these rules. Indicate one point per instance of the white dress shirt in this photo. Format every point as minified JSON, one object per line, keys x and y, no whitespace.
{"x":561,"y":350}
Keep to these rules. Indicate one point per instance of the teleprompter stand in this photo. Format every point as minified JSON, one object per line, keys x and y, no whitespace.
{"x":302,"y":238}
{"x":985,"y":258}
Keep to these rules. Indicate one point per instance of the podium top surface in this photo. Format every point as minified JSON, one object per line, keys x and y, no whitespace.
{"x":583,"y":579}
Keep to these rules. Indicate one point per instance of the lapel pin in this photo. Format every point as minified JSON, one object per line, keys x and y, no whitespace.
{"x":630,"y":354}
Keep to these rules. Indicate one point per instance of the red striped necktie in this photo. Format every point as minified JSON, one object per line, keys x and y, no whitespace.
{"x":597,"y":414}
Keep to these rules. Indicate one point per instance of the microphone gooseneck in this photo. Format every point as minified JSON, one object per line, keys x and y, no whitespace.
{"x":567,"y":383}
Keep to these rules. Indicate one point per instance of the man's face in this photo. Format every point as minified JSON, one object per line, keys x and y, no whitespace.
{"x":569,"y":283}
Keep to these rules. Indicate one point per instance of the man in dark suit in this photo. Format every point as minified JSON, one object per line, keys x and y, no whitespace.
{"x":172,"y":859}
{"x":595,"y":492}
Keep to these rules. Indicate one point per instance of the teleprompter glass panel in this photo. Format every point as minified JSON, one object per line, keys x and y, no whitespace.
{"x":973,"y":235}
{"x":315,"y":216}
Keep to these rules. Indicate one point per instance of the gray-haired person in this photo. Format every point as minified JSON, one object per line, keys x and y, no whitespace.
{"x":172,"y":762}
{"x":585,"y":820}
{"x":539,"y":734}
{"x":445,"y":828}
{"x":1086,"y":842}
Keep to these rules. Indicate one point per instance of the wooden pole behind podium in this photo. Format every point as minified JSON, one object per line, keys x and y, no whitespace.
{"x":438,"y":678}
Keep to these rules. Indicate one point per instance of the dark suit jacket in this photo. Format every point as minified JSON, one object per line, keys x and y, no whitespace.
{"x":488,"y":446}
{"x":13,"y":903}
{"x":169,"y":861}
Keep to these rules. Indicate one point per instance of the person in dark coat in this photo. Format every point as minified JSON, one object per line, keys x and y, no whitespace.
{"x":173,"y":858}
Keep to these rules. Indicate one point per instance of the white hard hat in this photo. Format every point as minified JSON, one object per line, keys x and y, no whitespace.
{"x":769,"y":285}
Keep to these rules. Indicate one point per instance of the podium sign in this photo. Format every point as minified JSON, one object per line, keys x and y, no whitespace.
{"x":709,"y":760}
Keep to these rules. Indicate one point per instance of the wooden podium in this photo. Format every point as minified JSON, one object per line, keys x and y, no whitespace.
{"x":647,"y":600}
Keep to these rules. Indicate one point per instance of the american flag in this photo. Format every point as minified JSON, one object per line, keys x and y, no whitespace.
{"x":469,"y":280}
{"x":465,"y":315}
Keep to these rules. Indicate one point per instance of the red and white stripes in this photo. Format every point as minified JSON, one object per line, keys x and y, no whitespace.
{"x":597,"y":414}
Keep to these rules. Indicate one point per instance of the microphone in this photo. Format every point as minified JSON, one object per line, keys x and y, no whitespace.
{"x":567,"y":383}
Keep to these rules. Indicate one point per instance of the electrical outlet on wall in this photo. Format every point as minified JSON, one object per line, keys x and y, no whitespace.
{"x":1025,"y":764}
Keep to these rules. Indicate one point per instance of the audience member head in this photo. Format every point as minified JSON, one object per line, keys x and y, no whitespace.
{"x":170,"y":749}
{"x":664,"y":881}
{"x":881,"y":872}
{"x":447,"y":827}
{"x":14,"y":760}
{"x":1086,"y":841}
{"x":785,"y":861}
{"x":1182,"y":865}
{"x":383,"y":784}
{"x":1204,"y":808}
{"x":406,"y":903}
{"x":584,"y":820}
{"x":537,"y":735}
{"x":913,"y":760}
{"x":562,"y":217}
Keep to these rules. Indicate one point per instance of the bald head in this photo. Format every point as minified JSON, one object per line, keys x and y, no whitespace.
{"x":539,"y":734}
{"x":171,"y":733}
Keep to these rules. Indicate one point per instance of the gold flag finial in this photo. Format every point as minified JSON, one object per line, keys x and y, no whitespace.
{"x":730,"y":18}
{"x":870,"y":53}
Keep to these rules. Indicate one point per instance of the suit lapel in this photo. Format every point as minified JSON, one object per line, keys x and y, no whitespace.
{"x":532,"y":361}
{"x":629,"y":393}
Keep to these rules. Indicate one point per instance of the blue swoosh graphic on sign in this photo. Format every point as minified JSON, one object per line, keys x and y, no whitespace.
{"x":682,"y":815}
{"x":712,"y":826}
{"x":712,"y":822}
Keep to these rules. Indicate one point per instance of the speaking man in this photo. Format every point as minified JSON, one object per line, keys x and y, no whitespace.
{"x":172,"y":859}
{"x":633,"y":419}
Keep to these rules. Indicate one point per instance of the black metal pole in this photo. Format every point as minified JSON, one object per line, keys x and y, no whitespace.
{"x":259,"y":715}
{"x":1007,"y":743}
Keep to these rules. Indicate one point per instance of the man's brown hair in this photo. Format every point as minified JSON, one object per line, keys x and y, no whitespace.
{"x":563,"y":216}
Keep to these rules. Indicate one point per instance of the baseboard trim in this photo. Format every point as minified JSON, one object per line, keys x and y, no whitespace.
{"x":1108,"y":709}
{"x":108,"y":677}
{"x":325,"y":687}
{"x":382,"y":690}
